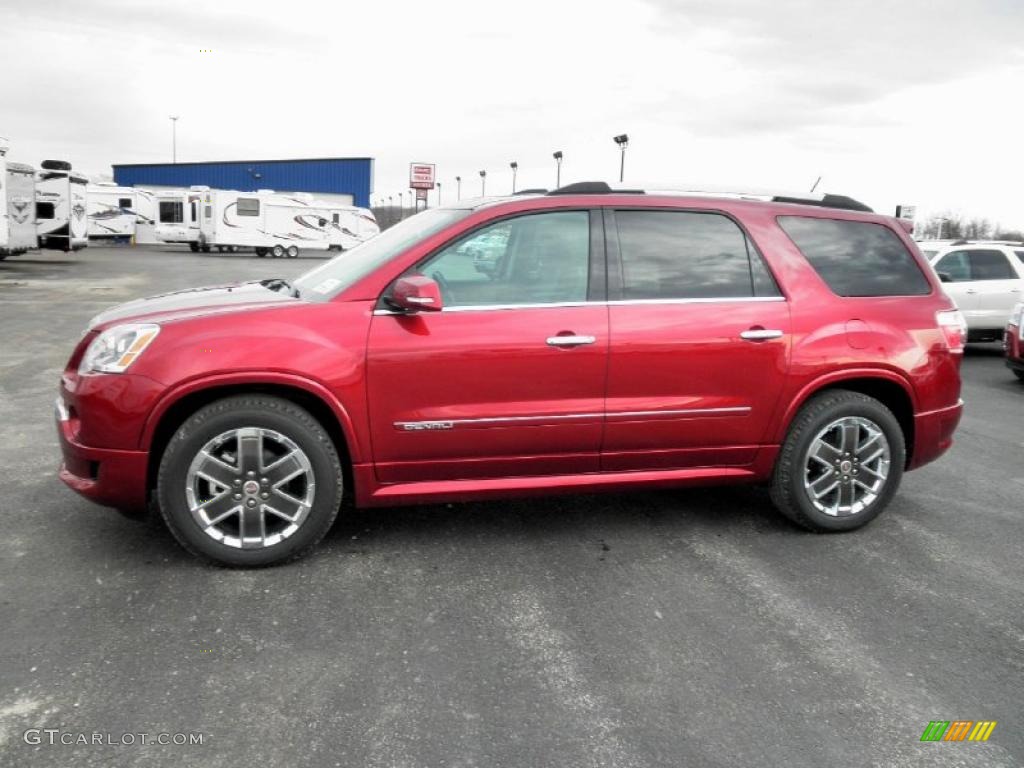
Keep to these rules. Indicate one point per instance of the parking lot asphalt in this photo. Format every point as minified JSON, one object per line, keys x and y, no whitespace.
{"x":670,"y":628}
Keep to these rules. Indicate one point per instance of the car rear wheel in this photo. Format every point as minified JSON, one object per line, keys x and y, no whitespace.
{"x":840,"y":464}
{"x":250,"y":481}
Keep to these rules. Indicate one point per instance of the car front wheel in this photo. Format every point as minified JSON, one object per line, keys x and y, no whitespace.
{"x":250,"y":481}
{"x":841,"y":462}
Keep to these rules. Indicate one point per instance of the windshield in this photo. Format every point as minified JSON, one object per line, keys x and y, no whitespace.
{"x":344,"y":270}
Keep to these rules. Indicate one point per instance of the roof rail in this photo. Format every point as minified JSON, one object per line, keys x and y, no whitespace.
{"x":842,"y":202}
{"x":536,"y":191}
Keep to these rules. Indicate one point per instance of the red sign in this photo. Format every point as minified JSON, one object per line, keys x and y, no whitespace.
{"x":421,"y":194}
{"x":421,"y":176}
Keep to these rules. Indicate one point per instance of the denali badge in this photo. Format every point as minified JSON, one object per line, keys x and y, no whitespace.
{"x":415,"y":426}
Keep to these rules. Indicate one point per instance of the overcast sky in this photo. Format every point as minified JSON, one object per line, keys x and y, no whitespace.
{"x":918,"y":102}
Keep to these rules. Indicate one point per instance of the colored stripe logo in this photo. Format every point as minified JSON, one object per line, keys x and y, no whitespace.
{"x":958,"y":730}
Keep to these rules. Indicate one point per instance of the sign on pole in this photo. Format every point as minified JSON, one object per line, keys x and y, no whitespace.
{"x":906,"y":212}
{"x":421,"y":176}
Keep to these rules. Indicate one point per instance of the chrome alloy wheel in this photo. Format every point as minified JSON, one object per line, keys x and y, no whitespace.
{"x":846,"y":466}
{"x":250,"y":488}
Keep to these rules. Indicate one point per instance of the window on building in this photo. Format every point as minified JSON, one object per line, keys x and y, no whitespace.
{"x":857,"y":258}
{"x":248,"y":206}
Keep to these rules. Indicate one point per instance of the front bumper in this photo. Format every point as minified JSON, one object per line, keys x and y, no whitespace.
{"x":113,"y":478}
{"x":933,"y":433}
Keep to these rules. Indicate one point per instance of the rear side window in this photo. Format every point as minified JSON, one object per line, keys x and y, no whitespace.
{"x":857,"y":258}
{"x":990,"y":265}
{"x":1020,"y":256}
{"x":687,"y":255}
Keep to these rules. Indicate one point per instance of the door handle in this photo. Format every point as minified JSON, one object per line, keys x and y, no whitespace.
{"x":570,"y":341}
{"x":970,"y":290}
{"x":760,"y":334}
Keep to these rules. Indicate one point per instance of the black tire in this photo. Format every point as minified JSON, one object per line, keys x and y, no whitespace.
{"x":278,"y":252}
{"x":241,"y":411}
{"x":293,"y":251}
{"x":204,"y":248}
{"x":1018,"y":374}
{"x":194,"y":247}
{"x":787,"y":487}
{"x":220,"y":249}
{"x":261,"y":252}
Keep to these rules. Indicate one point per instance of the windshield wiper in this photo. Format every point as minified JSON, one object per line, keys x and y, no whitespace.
{"x":277,"y":283}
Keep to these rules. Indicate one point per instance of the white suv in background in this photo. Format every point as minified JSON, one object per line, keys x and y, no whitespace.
{"x":984,"y":278}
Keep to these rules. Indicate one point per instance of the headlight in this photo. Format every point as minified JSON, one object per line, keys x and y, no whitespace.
{"x":117,"y":348}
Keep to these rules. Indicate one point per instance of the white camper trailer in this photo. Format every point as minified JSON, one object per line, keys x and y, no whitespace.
{"x":270,"y":223}
{"x":17,"y":205}
{"x":349,"y":226}
{"x":177,"y":216}
{"x":61,"y":221}
{"x":111,"y":211}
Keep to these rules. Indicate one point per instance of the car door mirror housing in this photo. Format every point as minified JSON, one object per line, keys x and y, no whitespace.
{"x":945,"y":277}
{"x":416,"y":293}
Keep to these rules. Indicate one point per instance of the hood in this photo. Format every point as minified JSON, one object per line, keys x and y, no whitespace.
{"x":195,"y":302}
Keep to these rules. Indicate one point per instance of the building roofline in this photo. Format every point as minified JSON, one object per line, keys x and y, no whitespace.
{"x":239,"y":162}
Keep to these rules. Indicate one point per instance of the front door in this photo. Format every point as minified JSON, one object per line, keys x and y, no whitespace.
{"x":508,"y":379}
{"x":700,"y":338}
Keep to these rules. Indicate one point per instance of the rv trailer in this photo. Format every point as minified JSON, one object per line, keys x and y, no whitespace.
{"x":111,"y":211}
{"x":269,"y":223}
{"x":17,"y":205}
{"x":349,"y":226}
{"x":177,"y":216}
{"x":61,"y":222}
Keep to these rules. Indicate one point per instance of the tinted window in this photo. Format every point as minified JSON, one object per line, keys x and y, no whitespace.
{"x":171,"y":212}
{"x":44,"y":210}
{"x":536,"y":259}
{"x":684,"y":255}
{"x":1020,"y":256}
{"x":248,"y":206}
{"x":990,"y":265}
{"x":124,"y":202}
{"x":857,"y":258}
{"x":955,"y":265}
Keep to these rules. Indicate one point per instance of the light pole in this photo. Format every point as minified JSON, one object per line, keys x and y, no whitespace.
{"x":174,"y":138}
{"x":558,"y":168}
{"x":391,"y":209}
{"x":439,"y":194}
{"x":623,"y":141}
{"x":515,"y":167}
{"x":458,"y":187}
{"x":483,"y":183}
{"x":411,"y":203}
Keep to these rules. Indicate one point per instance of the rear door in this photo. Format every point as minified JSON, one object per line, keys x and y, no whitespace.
{"x":700,"y":338}
{"x":509,"y":378}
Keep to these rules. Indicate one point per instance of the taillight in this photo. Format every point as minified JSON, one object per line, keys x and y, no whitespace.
{"x":954,"y":328}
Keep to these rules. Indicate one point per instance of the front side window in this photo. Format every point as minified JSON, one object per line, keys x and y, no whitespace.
{"x":990,"y":265}
{"x":540,"y":258}
{"x":688,"y":255}
{"x":857,"y":258}
{"x":248,"y":206}
{"x":955,"y":266}
{"x":171,"y":212}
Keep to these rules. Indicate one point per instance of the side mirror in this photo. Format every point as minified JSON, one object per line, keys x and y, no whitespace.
{"x":945,"y":277}
{"x":416,"y":293}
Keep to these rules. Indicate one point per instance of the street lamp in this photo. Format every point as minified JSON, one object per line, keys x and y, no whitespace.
{"x":174,"y":138}
{"x":439,"y":194}
{"x":515,"y":167}
{"x":483,"y":183}
{"x":558,"y":168}
{"x":412,"y":205}
{"x":623,"y":141}
{"x":458,"y":187}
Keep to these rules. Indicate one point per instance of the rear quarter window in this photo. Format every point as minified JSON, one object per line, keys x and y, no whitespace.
{"x":857,"y":258}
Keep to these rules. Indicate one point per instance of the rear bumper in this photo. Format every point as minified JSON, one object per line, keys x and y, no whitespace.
{"x":933,"y":433}
{"x":106,"y":476}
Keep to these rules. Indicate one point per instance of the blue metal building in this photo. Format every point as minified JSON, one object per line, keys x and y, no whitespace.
{"x":332,"y":175}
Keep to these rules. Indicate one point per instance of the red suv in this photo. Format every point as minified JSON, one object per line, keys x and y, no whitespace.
{"x":612,"y":340}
